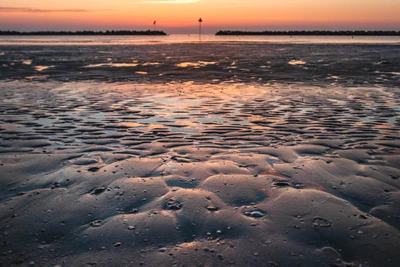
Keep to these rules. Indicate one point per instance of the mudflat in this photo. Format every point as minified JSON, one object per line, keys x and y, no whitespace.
{"x":230,"y":154}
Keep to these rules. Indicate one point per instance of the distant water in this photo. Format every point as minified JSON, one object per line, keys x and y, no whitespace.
{"x":191,"y":38}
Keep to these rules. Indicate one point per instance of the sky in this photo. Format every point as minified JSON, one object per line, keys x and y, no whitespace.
{"x":181,"y":16}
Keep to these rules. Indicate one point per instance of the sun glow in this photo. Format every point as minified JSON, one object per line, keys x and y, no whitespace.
{"x":182,"y":15}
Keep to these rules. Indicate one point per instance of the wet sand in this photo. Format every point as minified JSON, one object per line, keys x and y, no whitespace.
{"x":218,"y":161}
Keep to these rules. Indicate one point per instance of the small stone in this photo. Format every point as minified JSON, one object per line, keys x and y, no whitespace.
{"x":131,"y":227}
{"x":118,"y":244}
{"x":162,"y":249}
{"x":31,"y":263}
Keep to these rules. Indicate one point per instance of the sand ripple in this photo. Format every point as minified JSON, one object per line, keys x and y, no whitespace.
{"x":224,"y":175}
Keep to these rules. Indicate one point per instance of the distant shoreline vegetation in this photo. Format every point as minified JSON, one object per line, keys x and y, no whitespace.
{"x":148,"y":32}
{"x":318,"y":33}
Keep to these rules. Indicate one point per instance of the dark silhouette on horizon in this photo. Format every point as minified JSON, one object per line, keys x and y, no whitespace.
{"x":200,"y":21}
{"x":112,"y":32}
{"x":221,"y":32}
{"x":320,"y":33}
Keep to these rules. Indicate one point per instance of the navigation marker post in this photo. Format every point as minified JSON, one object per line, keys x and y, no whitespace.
{"x":200,"y":21}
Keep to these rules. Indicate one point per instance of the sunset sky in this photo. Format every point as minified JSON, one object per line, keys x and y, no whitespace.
{"x":180,"y":16}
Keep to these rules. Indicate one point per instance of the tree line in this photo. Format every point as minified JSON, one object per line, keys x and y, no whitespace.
{"x":122,"y":32}
{"x":297,"y":33}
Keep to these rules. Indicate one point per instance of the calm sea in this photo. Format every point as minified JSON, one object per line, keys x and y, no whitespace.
{"x":191,"y":38}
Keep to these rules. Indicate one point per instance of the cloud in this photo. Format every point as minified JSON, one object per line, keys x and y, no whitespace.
{"x":162,"y":1}
{"x":38,"y":10}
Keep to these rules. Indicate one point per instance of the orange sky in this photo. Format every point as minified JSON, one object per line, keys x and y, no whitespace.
{"x":181,"y":15}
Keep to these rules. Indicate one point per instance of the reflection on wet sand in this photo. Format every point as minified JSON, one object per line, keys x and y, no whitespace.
{"x":225,"y":174}
{"x":116,"y":65}
{"x":42,"y":68}
{"x":195,"y":64}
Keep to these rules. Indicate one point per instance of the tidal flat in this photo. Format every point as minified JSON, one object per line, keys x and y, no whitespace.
{"x":209,"y":154}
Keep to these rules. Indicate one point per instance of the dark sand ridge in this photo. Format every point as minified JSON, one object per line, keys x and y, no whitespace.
{"x":119,"y":174}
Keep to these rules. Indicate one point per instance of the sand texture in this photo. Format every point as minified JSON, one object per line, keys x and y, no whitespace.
{"x":208,"y":164}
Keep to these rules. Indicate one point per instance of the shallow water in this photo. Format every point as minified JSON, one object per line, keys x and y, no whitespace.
{"x":200,"y":164}
{"x":193,"y":38}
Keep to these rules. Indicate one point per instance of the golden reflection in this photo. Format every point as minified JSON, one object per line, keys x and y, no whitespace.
{"x":42,"y":68}
{"x":297,"y":62}
{"x":116,"y":65}
{"x":195,"y":64}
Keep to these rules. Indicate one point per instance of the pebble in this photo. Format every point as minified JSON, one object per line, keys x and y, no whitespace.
{"x":118,"y":244}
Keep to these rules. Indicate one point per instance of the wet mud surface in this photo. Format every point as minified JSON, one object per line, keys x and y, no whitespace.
{"x":345,"y":64}
{"x":194,"y":173}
